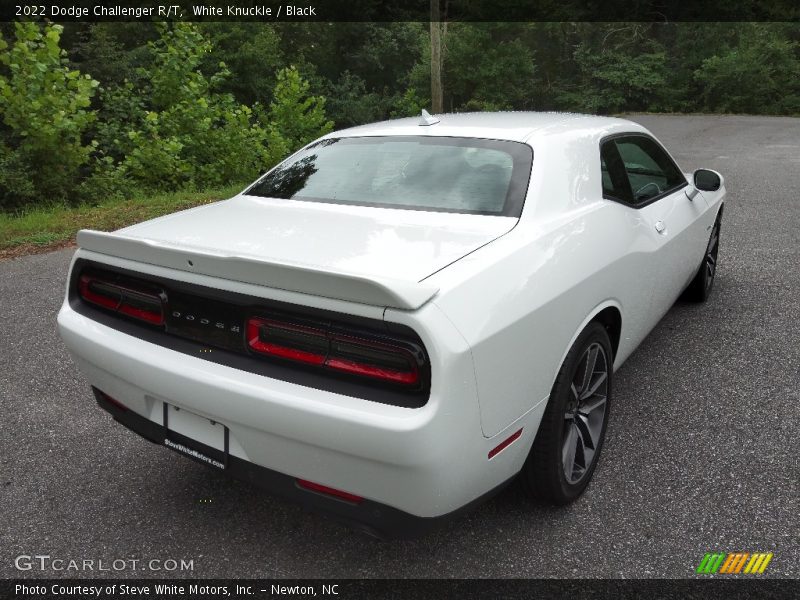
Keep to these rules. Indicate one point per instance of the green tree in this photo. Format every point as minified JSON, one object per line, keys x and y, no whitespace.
{"x":361,"y":68}
{"x":295,"y":116}
{"x":112,"y":52}
{"x":613,"y":67}
{"x":487,"y":67}
{"x":45,"y":108}
{"x":190,"y":133}
{"x":409,"y":104}
{"x":252,"y":53}
{"x":350,"y":101}
{"x":615,"y":81}
{"x":760,"y":73}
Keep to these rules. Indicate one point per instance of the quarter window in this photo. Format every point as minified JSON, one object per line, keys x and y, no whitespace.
{"x":615,"y":180}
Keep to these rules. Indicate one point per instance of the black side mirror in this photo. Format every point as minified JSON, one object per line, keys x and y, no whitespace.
{"x":706,"y":180}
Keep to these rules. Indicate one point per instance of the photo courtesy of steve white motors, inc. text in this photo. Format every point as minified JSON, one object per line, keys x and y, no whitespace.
{"x":166,"y":11}
{"x":172,"y":589}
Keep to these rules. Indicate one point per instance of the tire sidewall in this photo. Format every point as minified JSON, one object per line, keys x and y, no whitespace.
{"x":699,"y":290}
{"x":707,"y":287}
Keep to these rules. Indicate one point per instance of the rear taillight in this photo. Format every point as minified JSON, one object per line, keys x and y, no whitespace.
{"x":377,"y":360}
{"x":140,"y":302}
{"x":381,"y":361}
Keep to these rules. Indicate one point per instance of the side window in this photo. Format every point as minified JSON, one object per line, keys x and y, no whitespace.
{"x":650,"y":170}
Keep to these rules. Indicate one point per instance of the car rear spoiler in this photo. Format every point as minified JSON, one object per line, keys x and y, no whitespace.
{"x":340,"y":285}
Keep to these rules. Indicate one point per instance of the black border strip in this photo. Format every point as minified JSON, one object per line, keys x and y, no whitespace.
{"x":713,"y":588}
{"x":272,"y":11}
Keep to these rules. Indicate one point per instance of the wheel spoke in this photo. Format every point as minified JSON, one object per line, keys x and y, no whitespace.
{"x":582,"y":457}
{"x":593,"y":388}
{"x":588,"y":371}
{"x":568,"y":451}
{"x":581,"y":423}
{"x":592,"y":406}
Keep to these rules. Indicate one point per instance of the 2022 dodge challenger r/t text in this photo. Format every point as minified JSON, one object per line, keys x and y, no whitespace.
{"x":401,"y":317}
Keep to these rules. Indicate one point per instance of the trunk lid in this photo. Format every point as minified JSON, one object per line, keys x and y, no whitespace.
{"x":364,"y":254}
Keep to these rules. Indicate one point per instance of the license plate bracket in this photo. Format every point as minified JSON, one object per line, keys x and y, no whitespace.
{"x":202,"y":452}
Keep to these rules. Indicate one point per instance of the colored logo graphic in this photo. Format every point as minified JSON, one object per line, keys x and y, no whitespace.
{"x":734,"y":563}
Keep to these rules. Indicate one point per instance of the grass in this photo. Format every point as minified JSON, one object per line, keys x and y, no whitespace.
{"x":43,"y":228}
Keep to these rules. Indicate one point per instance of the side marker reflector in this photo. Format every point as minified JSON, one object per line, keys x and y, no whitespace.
{"x":112,"y":402}
{"x":505,"y":444}
{"x":328,"y":491}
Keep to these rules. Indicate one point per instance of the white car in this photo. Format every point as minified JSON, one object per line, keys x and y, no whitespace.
{"x":400,"y":318}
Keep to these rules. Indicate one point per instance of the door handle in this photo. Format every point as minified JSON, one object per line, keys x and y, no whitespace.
{"x":660,"y":227}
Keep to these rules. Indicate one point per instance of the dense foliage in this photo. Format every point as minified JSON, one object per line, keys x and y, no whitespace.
{"x":45,"y":113}
{"x":89,"y":111}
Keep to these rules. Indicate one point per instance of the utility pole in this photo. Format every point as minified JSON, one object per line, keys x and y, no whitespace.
{"x":436,"y":59}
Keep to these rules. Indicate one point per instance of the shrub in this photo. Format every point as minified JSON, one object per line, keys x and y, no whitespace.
{"x":45,"y":108}
{"x":760,"y":74}
{"x":190,"y":134}
{"x":294,"y":115}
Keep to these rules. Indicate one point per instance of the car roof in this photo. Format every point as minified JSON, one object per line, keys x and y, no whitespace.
{"x":517,"y":126}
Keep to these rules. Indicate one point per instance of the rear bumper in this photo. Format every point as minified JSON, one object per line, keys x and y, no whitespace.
{"x":373,"y":518}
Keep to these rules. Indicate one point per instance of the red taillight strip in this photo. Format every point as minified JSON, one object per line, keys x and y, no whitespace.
{"x":331,"y":358}
{"x":254,"y":340}
{"x":156,"y":318}
{"x":505,"y":444}
{"x":349,"y":366}
{"x":87,"y":293}
{"x":125,"y":304}
{"x":340,"y":363}
{"x":328,"y":491}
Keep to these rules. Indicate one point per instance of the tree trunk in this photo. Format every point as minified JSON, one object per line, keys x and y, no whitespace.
{"x":436,"y":59}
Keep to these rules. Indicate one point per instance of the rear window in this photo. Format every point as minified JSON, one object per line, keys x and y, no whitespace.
{"x":443,"y":174}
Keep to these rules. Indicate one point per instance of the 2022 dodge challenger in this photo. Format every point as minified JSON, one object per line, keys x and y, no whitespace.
{"x":402,"y":317}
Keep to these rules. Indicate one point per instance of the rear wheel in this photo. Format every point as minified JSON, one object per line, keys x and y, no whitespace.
{"x":700,"y":288}
{"x":571,"y":434}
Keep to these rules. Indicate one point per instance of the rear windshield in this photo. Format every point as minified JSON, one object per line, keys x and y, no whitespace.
{"x":445,"y":174}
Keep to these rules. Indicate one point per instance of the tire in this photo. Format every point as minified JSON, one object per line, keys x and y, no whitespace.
{"x":570,"y":437}
{"x":700,"y":288}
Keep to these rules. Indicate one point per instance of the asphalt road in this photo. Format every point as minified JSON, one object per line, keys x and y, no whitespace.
{"x":701,"y":454}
